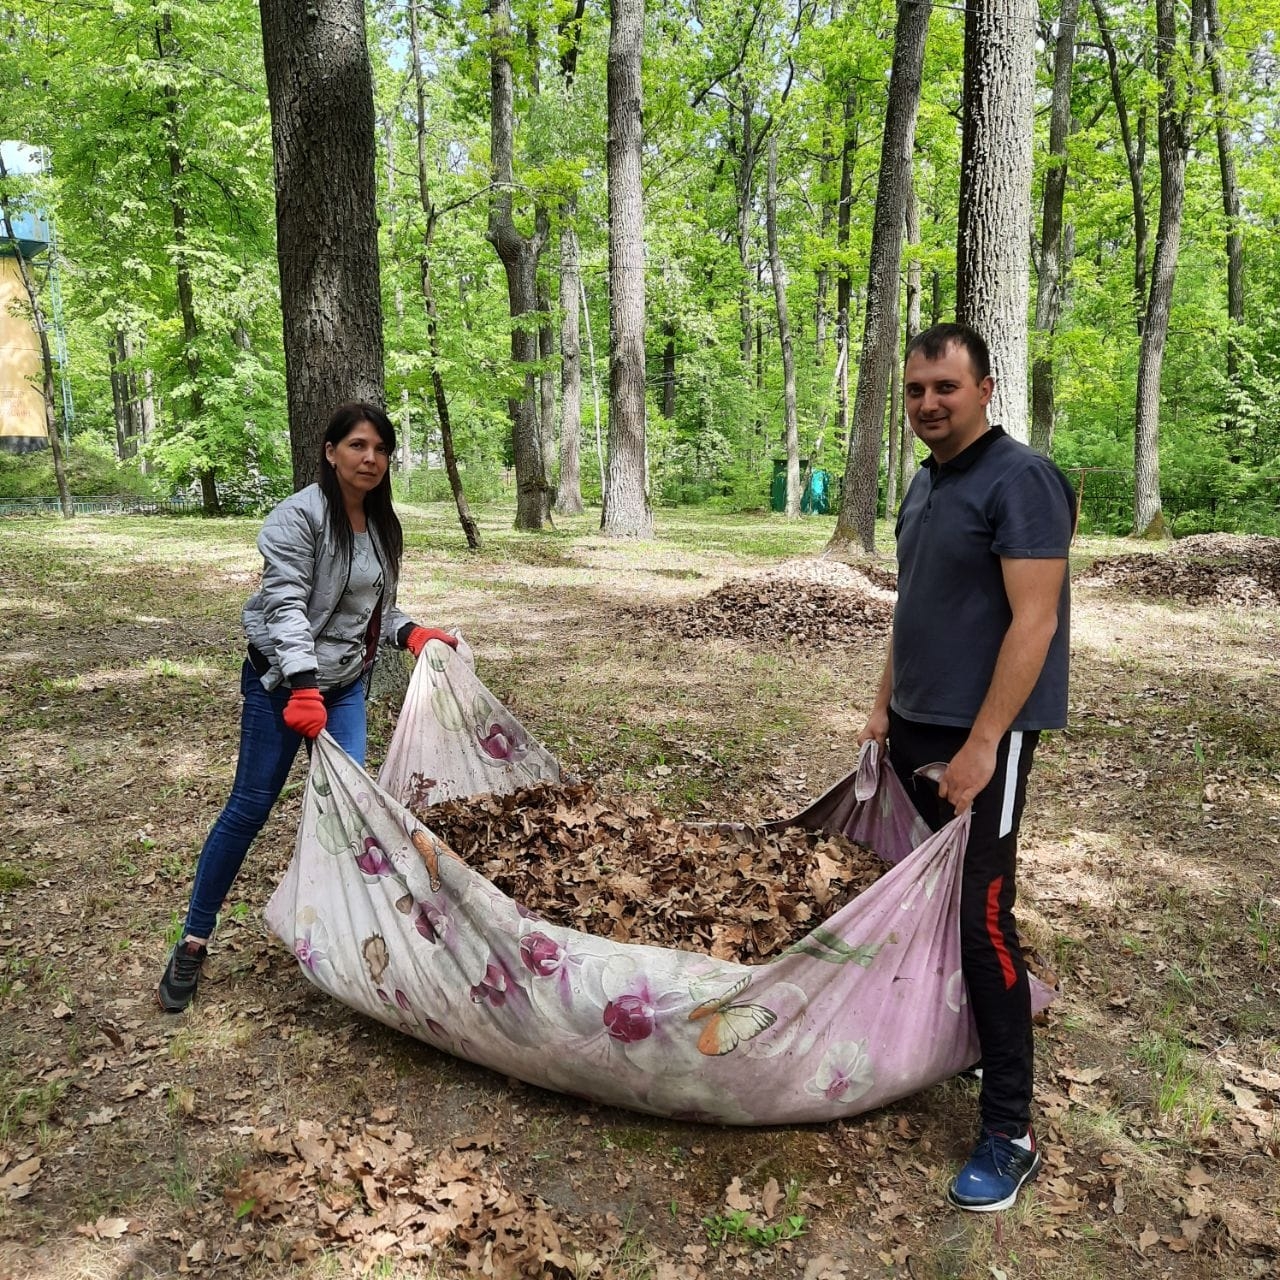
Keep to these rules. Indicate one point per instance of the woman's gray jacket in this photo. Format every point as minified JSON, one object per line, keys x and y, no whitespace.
{"x":304,"y":575}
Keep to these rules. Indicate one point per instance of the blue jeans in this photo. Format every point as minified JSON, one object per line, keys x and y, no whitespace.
{"x":267,"y":749}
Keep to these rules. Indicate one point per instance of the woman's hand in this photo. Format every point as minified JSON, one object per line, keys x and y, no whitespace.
{"x":305,"y":712}
{"x":417,"y":639}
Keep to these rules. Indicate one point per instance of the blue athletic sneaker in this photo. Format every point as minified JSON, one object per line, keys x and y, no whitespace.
{"x":995,"y":1173}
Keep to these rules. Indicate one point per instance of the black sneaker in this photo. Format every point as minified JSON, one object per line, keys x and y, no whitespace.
{"x":182,"y":973}
{"x":994,"y":1174}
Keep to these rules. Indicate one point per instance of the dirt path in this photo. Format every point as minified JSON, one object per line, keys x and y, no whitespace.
{"x":241,"y":1133}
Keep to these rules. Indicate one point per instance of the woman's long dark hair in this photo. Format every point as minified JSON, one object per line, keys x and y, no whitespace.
{"x":378,"y":510}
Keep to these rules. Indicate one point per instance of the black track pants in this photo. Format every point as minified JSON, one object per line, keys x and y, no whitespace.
{"x":993,"y":969}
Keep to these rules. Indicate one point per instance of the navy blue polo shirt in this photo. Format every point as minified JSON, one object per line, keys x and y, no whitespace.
{"x":995,"y":499}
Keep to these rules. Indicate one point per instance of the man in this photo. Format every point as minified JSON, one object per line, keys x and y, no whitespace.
{"x":977,"y":667}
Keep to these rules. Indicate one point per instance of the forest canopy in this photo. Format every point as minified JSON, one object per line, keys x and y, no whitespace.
{"x":161,"y":280}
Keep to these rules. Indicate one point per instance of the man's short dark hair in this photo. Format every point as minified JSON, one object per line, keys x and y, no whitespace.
{"x":932,"y":343}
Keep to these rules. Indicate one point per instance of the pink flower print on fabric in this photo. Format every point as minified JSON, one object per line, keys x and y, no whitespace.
{"x":373,"y":861}
{"x":307,"y":953}
{"x":544,"y":957}
{"x":430,"y":921}
{"x":844,"y":1074}
{"x":541,"y":955}
{"x":630,"y":1018}
{"x":492,"y":988}
{"x":500,"y":989}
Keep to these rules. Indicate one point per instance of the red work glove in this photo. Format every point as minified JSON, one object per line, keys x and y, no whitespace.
{"x":417,"y":639}
{"x":304,"y":713}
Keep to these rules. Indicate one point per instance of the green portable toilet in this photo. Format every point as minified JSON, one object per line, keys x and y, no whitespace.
{"x":816,"y":501}
{"x":778,"y":486}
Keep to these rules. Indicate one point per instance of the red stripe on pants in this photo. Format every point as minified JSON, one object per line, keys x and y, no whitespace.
{"x":993,"y":932}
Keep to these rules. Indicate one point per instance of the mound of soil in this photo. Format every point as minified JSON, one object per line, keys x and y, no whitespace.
{"x":1209,"y":568}
{"x":623,"y":871}
{"x":812,"y":602}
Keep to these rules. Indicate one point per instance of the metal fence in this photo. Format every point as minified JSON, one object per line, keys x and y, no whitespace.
{"x":103,"y":504}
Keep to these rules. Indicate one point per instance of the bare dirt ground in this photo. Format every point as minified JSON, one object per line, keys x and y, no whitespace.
{"x":273,"y":1131}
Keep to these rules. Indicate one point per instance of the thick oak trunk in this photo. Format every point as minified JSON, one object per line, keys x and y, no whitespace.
{"x":626,"y":504}
{"x":320,"y":89}
{"x":993,"y":249}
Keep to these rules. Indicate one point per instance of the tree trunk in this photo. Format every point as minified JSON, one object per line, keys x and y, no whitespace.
{"x":843,"y":283}
{"x":46,"y":355}
{"x":823,"y":276}
{"x":993,"y":245}
{"x":669,"y":370}
{"x":1050,"y":268}
{"x":746,"y":177}
{"x":186,"y":293}
{"x":147,"y":409}
{"x":569,"y":487}
{"x":626,"y":506}
{"x":595,"y":382}
{"x":470,"y":530}
{"x":1173,"y":118}
{"x":895,"y":414}
{"x":1135,"y":153}
{"x":880,"y":332}
{"x":1231,"y":208}
{"x":791,"y":433}
{"x":519,"y":256}
{"x":320,"y":88}
{"x":546,"y":377}
{"x":119,"y":392}
{"x":906,"y":449}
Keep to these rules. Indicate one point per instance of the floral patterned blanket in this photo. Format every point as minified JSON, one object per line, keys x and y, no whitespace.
{"x":868,"y":1007}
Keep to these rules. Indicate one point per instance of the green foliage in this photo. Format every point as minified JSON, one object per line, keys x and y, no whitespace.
{"x":92,"y":470}
{"x":155,"y":122}
{"x":737,"y":1225}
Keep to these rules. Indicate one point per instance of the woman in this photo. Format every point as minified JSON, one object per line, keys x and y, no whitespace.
{"x":331,"y":557}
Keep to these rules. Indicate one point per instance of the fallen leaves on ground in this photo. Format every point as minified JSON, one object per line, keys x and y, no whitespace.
{"x":812,"y":602}
{"x":367,"y":1186}
{"x":1210,"y":568}
{"x":620,"y":870}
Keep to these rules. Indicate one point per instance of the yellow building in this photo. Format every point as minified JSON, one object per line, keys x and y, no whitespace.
{"x":22,"y":419}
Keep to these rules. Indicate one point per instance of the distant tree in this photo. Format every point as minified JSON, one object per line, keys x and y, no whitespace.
{"x":519,"y":253}
{"x":1173,"y":123}
{"x":1050,"y":266}
{"x":880,"y":332}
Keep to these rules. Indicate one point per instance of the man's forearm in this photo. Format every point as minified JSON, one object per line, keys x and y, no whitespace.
{"x":1018,"y":667}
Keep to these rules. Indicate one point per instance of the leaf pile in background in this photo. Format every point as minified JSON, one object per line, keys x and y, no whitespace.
{"x":813,"y":602}
{"x":1210,"y":568}
{"x":620,"y":870}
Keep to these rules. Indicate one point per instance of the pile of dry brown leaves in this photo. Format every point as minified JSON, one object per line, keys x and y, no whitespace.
{"x":1209,"y":568}
{"x":366,"y":1185}
{"x":620,"y":870}
{"x":812,"y":602}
